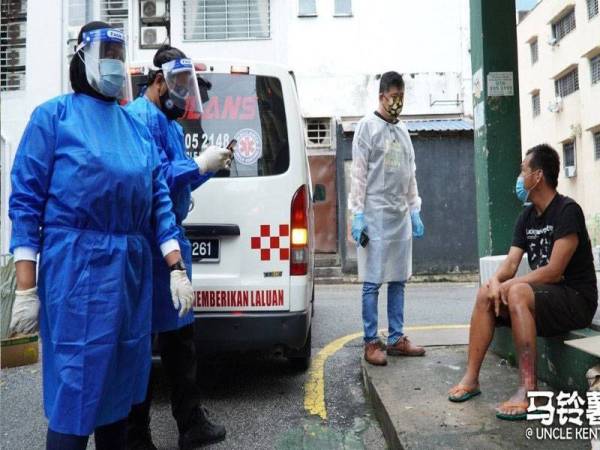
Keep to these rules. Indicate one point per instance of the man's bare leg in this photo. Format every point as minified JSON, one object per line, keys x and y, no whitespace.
{"x":481,"y":333}
{"x":521,"y":306}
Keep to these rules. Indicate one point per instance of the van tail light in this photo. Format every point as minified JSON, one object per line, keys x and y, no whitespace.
{"x":299,"y":232}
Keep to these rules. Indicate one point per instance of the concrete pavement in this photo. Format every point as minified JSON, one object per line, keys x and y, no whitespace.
{"x":410,"y":399}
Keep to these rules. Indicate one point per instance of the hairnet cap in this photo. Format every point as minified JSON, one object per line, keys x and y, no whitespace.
{"x":165,"y":54}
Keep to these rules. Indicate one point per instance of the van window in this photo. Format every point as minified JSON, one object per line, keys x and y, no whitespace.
{"x":249,"y":109}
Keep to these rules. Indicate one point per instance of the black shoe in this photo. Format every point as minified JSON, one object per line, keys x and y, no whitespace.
{"x":140,"y":440}
{"x":200,"y":431}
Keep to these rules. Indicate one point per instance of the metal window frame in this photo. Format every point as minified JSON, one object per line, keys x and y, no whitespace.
{"x":326,"y":134}
{"x":116,"y":18}
{"x":307,"y":13}
{"x":567,"y":84}
{"x":595,"y":69}
{"x":199,"y":31}
{"x":18,"y":73}
{"x":536,"y":106}
{"x":563,"y":26}
{"x":347,"y":13}
{"x":534,"y":51}
{"x":570,"y":147}
{"x":592,"y":8}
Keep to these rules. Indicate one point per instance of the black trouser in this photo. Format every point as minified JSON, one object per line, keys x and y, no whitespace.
{"x":178,"y":354}
{"x":107,"y":437}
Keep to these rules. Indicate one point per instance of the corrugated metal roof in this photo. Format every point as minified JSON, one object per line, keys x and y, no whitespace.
{"x":439,"y":125}
{"x":415,"y":126}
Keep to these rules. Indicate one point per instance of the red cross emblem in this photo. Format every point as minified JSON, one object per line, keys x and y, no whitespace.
{"x":266,"y":243}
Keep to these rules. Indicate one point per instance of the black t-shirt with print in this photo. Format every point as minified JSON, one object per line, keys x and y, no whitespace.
{"x":537,"y":234}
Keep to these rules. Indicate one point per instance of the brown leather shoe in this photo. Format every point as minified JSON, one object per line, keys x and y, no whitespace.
{"x":405,"y":348}
{"x":374,"y":354}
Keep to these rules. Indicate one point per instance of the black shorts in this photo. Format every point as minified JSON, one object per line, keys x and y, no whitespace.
{"x":558,"y":309}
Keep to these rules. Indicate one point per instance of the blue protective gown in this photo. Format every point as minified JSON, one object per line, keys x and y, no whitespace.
{"x":86,"y":184}
{"x":182,"y":176}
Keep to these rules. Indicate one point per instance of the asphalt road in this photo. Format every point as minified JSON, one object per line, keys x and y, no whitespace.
{"x":260,"y":398}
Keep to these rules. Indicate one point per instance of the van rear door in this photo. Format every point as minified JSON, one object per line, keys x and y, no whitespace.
{"x":239,"y":224}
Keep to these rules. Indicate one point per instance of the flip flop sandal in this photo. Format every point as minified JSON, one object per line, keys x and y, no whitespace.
{"x":513,"y":417}
{"x":468,"y":394}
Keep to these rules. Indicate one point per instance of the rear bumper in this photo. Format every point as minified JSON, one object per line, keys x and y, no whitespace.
{"x":217,"y":332}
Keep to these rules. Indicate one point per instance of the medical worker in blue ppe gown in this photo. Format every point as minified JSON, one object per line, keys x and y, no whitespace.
{"x":172,"y":90}
{"x":86,"y":184}
{"x":386,"y":205}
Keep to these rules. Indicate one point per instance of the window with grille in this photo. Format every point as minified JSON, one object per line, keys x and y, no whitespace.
{"x":115,"y":12}
{"x":535,"y":104}
{"x":564,"y":25}
{"x":307,"y":8}
{"x":13,"y":44}
{"x":595,"y":68}
{"x":343,"y":8}
{"x":569,"y":154}
{"x":533,"y":48}
{"x":318,"y":132}
{"x":592,"y":7}
{"x":206,"y":20}
{"x":597,"y":145}
{"x":567,"y":84}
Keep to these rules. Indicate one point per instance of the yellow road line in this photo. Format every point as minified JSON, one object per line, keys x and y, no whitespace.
{"x":314,"y":388}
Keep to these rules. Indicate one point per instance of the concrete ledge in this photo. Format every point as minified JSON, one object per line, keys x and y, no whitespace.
{"x":559,"y":365}
{"x":410,"y":400}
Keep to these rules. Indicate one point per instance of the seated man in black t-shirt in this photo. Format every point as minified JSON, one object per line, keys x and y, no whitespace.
{"x":558,"y":295}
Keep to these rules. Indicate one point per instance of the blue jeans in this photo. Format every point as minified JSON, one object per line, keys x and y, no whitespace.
{"x":395,"y":310}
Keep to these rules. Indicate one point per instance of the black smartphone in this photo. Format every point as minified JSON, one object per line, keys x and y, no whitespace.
{"x":364,"y":239}
{"x":231,"y":145}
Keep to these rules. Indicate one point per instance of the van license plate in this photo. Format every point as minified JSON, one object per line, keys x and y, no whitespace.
{"x":205,"y":250}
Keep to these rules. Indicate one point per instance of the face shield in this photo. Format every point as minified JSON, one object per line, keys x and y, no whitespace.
{"x":105,"y":62}
{"x":182,"y":85}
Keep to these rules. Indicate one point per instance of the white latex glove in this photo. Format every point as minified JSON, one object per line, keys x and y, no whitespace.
{"x":25,"y":312}
{"x":213,"y":159}
{"x":182,"y":292}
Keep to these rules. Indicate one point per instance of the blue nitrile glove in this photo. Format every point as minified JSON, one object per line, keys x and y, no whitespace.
{"x":358,"y":226}
{"x":417,"y":225}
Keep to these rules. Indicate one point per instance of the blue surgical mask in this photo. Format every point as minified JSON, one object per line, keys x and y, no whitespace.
{"x":520,"y":190}
{"x":112,"y":76}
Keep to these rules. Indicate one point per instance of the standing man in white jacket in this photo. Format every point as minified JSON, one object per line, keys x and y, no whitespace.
{"x":385,"y":201}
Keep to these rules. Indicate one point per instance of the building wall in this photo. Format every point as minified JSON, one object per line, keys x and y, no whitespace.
{"x":273,"y":50}
{"x":580,"y":114}
{"x":336,"y":58}
{"x":43,"y":82}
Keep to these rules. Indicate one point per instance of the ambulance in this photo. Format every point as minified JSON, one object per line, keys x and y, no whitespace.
{"x":251,"y":227}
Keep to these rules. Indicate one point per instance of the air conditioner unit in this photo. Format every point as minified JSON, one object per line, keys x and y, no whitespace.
{"x":153,"y":10}
{"x":15,"y":81}
{"x":570,"y":171}
{"x":555,"y":105}
{"x":16,"y":7}
{"x":552,"y":41}
{"x":14,"y":57}
{"x":16,"y":31}
{"x":153,"y":37}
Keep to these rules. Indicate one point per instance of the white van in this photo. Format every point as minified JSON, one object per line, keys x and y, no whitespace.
{"x":251,"y":227}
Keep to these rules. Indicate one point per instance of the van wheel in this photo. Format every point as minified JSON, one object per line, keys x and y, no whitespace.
{"x":300,"y":359}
